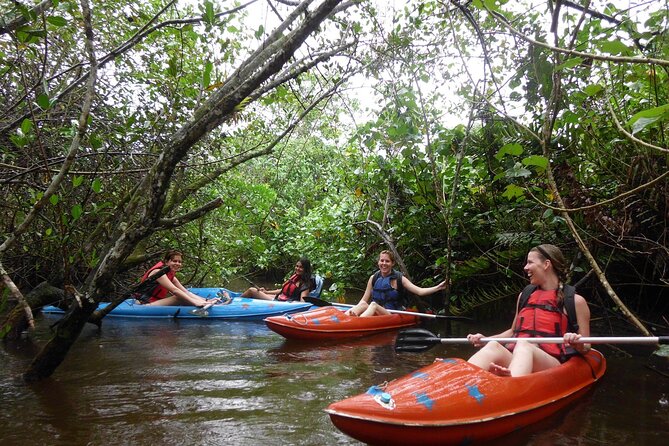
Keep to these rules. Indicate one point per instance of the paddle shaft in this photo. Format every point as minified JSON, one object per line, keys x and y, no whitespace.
{"x":556,"y":340}
{"x":410,"y":313}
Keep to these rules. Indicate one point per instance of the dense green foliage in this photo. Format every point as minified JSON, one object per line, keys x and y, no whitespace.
{"x":474,"y":105}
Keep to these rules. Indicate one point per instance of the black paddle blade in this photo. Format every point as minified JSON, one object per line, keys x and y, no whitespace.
{"x":318,"y":302}
{"x":415,"y":340}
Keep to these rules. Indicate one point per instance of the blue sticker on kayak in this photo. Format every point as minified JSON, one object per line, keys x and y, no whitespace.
{"x":421,"y":375}
{"x":335,"y":319}
{"x":475,"y":393}
{"x":423,"y":399}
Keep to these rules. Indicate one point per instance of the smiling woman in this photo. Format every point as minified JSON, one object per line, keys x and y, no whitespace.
{"x":543,"y":310}
{"x":169,"y":291}
{"x":296,"y":288}
{"x":385,"y":289}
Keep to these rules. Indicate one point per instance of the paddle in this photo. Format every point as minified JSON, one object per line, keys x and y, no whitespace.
{"x":419,"y":339}
{"x":324,"y":303}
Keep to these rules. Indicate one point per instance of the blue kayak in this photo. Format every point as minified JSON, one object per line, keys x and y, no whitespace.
{"x":243,"y":308}
{"x":239,"y":308}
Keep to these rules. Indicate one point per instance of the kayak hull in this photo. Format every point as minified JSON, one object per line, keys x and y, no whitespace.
{"x":452,"y":402}
{"x":241,"y":308}
{"x":331,"y":323}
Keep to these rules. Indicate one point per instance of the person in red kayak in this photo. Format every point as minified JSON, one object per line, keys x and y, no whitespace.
{"x":385,"y":289}
{"x":168,"y":289}
{"x":296,"y":288}
{"x":547,"y":307}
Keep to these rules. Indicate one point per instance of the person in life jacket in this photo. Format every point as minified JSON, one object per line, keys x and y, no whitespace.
{"x":168,"y":289}
{"x":545,"y":313}
{"x":296,"y":288}
{"x":386,"y":290}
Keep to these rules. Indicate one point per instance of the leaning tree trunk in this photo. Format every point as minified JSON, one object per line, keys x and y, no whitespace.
{"x":66,"y":333}
{"x":16,"y":321}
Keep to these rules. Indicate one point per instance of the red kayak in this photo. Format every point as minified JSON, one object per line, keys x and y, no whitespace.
{"x":452,"y":402}
{"x":328,"y":323}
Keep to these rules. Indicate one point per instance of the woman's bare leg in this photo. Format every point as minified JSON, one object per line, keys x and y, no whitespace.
{"x":528,"y":358}
{"x":492,"y":353}
{"x":374,"y":309}
{"x":255,"y":293}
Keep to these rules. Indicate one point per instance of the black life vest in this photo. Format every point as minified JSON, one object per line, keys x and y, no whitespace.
{"x":387,"y":296}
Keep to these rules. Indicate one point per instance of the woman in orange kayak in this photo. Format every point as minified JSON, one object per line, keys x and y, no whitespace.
{"x":547,"y":307}
{"x":296,"y":288}
{"x":385,"y":289}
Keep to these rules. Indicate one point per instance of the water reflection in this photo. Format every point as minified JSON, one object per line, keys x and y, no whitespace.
{"x":213,"y":382}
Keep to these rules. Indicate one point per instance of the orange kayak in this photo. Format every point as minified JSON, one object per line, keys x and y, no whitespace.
{"x":452,"y":402}
{"x":328,"y":323}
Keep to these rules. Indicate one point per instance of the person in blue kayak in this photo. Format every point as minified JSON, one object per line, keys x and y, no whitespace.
{"x":547,"y":307}
{"x":296,"y":288}
{"x":168,"y":290}
{"x":386,"y":289}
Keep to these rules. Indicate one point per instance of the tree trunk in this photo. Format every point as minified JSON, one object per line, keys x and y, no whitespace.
{"x":55,"y":351}
{"x":16,"y":321}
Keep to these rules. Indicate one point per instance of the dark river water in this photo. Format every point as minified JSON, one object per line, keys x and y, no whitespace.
{"x":208,"y":382}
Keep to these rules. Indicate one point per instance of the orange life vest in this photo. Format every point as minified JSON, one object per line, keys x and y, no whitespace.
{"x":541,"y":317}
{"x":291,"y":290}
{"x":158,"y":292}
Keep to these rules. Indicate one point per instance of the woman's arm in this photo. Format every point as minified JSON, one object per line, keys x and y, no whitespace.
{"x":361,"y":306}
{"x":414,"y":289}
{"x":175,"y":287}
{"x":583,"y":321}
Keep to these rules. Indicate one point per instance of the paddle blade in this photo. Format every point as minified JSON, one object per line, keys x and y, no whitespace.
{"x":415,"y":340}
{"x":317,"y":302}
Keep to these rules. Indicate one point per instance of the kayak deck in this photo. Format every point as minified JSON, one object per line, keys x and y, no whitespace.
{"x":240,"y":308}
{"x":329,"y":323}
{"x":454,"y":402}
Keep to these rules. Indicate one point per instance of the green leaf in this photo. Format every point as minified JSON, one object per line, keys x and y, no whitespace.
{"x":645,"y":118}
{"x":518,"y":171}
{"x":513,"y":149}
{"x":76,"y":211}
{"x":77,"y":180}
{"x":593,"y":89}
{"x":95,"y":141}
{"x":614,"y":47}
{"x":43,"y":101}
{"x":26,"y":126}
{"x":172,"y":69}
{"x":56,"y":20}
{"x":512,"y":191}
{"x":569,"y":63}
{"x":260,"y":32}
{"x":53,"y":199}
{"x":206,"y":74}
{"x":209,"y":14}
{"x":536,"y":160}
{"x":97,"y":186}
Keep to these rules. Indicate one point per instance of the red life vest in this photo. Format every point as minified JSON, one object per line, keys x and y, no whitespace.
{"x":159,"y":292}
{"x":291,"y":290}
{"x":541,"y":317}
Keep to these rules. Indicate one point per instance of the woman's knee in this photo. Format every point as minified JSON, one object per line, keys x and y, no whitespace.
{"x":494,"y":347}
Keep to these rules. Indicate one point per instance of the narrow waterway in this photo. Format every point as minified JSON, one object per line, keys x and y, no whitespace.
{"x":208,"y":382}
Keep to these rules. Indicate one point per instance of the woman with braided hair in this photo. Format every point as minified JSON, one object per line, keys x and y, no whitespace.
{"x":542,"y":310}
